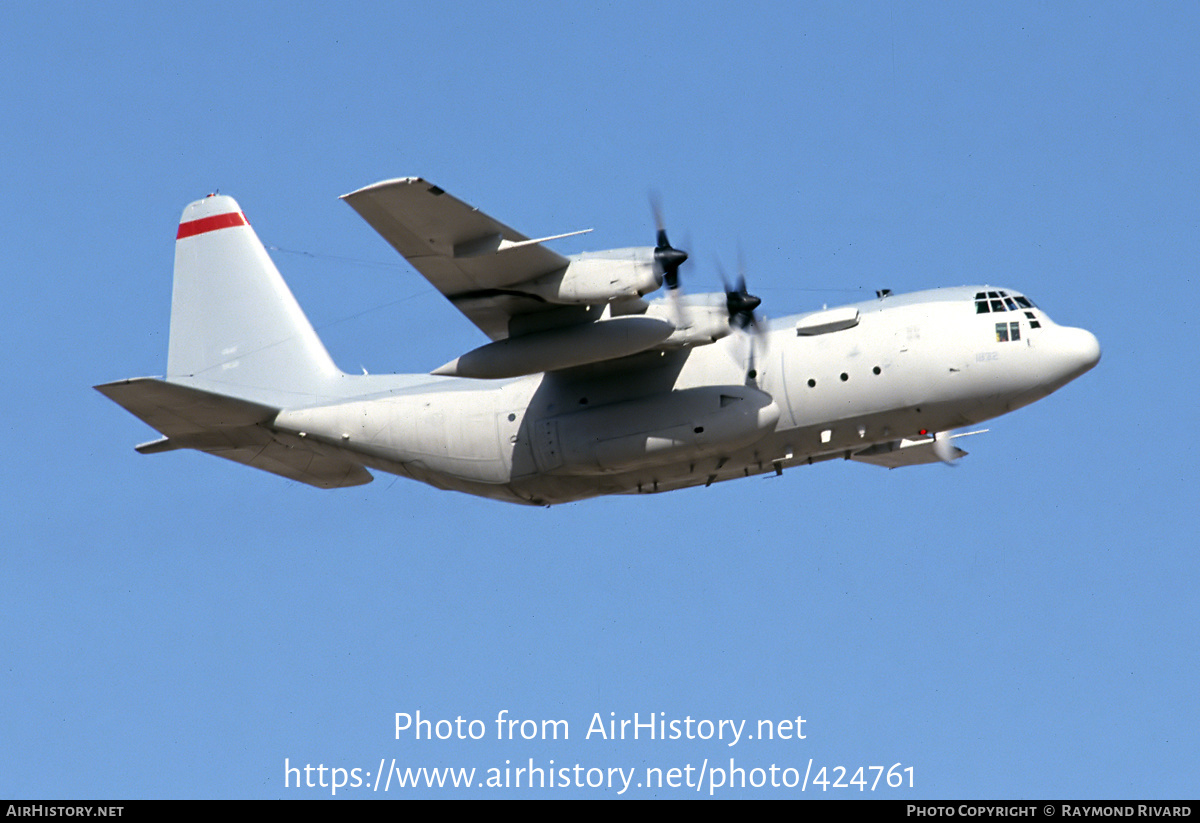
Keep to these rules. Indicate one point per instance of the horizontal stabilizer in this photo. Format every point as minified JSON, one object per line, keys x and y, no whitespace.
{"x":234,"y":429}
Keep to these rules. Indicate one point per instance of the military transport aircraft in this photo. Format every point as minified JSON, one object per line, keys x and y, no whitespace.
{"x":587,"y":388}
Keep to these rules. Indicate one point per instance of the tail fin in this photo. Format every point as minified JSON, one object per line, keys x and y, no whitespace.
{"x":234,"y":323}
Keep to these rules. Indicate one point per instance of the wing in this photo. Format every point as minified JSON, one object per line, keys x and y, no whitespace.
{"x":471,"y":258}
{"x":915,"y":452}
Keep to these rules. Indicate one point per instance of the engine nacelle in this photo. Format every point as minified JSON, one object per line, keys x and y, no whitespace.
{"x":667,"y":428}
{"x":563,"y":348}
{"x":600,"y":277}
{"x":695,"y":324}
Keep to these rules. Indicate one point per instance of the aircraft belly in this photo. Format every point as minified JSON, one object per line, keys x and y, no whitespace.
{"x":771,"y":454}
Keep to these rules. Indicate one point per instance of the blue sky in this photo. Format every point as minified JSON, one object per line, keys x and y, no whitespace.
{"x":1022,"y":626}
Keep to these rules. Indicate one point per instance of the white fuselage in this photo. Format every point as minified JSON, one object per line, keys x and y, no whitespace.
{"x":911,"y":364}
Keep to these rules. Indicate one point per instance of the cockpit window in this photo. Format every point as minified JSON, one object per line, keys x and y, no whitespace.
{"x":997,"y":301}
{"x":1008,"y":331}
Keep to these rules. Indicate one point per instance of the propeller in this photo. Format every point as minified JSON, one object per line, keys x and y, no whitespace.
{"x":740,"y":304}
{"x":946,"y":451}
{"x":666,"y":255}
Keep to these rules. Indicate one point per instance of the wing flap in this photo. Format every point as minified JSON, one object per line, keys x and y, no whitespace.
{"x":231,"y":428}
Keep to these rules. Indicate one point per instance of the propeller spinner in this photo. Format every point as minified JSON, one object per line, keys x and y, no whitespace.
{"x":666,"y":255}
{"x":741,"y":304}
{"x":738,"y":302}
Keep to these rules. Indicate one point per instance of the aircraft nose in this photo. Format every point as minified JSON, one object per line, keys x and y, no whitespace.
{"x":1079,"y":350}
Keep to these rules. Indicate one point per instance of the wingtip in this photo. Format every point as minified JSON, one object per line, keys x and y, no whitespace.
{"x":383,"y":184}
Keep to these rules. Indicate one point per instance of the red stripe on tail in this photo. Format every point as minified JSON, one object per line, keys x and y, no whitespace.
{"x":207,"y":224}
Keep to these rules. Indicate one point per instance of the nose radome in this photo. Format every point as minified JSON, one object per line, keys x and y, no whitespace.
{"x":1089,"y":348}
{"x":1081,"y":348}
